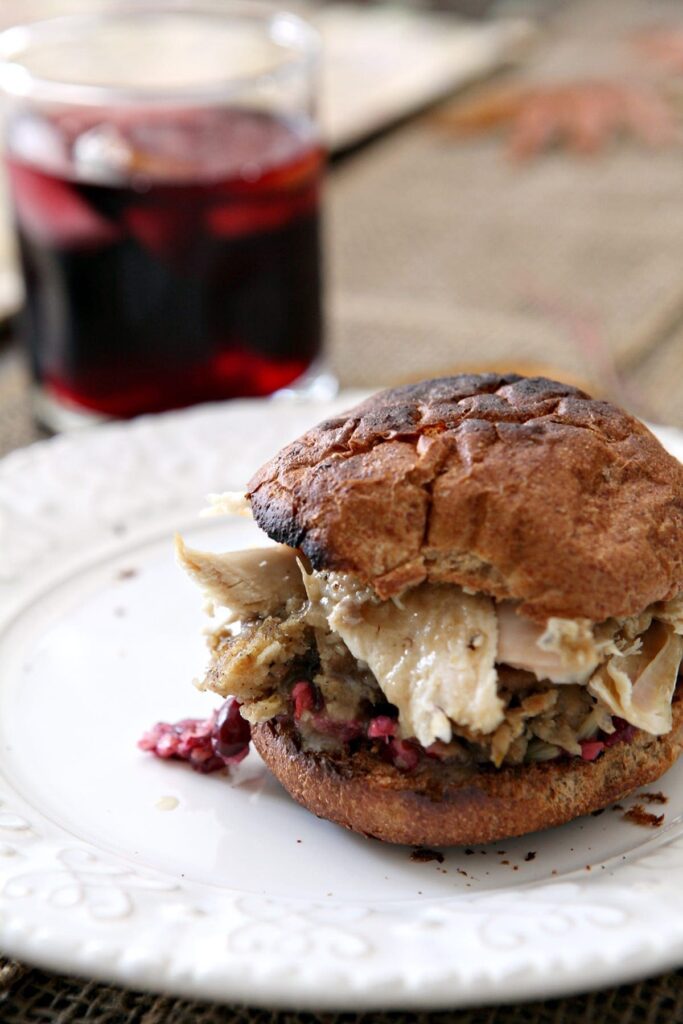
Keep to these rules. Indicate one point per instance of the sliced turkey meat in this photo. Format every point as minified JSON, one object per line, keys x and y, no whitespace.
{"x":639,"y":687}
{"x":432,"y":652}
{"x":250,"y":583}
{"x":457,"y":667}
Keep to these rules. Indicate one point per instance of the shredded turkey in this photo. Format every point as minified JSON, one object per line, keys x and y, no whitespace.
{"x":432,"y":652}
{"x":469,"y":677}
{"x":564,"y":651}
{"x":671,"y":612}
{"x":639,"y":687}
{"x":229,"y":503}
{"x":257,"y":581}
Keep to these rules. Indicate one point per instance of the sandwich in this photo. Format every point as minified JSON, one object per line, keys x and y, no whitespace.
{"x":470,"y":626}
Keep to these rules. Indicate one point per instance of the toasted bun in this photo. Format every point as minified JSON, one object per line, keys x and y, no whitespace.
{"x":441,"y":805}
{"x":519,"y":488}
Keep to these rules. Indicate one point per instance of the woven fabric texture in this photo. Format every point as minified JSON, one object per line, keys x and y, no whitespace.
{"x":33,"y":997}
{"x":443,"y":253}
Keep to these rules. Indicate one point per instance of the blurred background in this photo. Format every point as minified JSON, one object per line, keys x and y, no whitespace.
{"x":505,"y":191}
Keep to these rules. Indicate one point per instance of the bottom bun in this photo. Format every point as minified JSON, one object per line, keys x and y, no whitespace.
{"x":447,"y":805}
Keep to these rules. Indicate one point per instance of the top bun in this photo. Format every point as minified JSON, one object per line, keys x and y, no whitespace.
{"x":516,"y":487}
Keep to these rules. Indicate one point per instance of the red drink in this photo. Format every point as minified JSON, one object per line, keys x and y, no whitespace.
{"x":168,"y":261}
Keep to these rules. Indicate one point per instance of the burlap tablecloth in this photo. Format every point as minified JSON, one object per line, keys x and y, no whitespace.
{"x":443,"y":255}
{"x":33,"y":997}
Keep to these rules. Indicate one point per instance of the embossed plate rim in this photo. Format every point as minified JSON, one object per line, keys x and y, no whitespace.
{"x":538,"y":940}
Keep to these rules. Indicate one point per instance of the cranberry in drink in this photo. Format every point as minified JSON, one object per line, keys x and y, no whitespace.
{"x":168,"y":260}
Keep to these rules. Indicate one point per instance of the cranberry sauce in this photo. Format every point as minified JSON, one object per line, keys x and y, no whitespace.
{"x":168,"y":263}
{"x":207,"y":744}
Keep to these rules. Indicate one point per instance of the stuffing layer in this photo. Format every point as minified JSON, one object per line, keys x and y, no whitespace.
{"x":454,"y":674}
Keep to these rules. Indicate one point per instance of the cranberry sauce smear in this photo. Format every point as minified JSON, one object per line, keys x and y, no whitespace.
{"x":207,"y":744}
{"x":304,"y":698}
{"x":168,"y":263}
{"x":380,"y":728}
{"x":623,"y":733}
{"x":231,"y":733}
{"x":210,"y":744}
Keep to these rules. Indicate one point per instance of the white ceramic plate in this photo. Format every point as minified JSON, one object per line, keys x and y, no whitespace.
{"x":237,"y":893}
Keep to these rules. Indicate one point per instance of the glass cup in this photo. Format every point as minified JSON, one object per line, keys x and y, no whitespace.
{"x":165,"y":168}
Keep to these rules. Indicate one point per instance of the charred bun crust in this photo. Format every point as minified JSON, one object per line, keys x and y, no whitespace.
{"x":517,"y":487}
{"x":439,"y":805}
